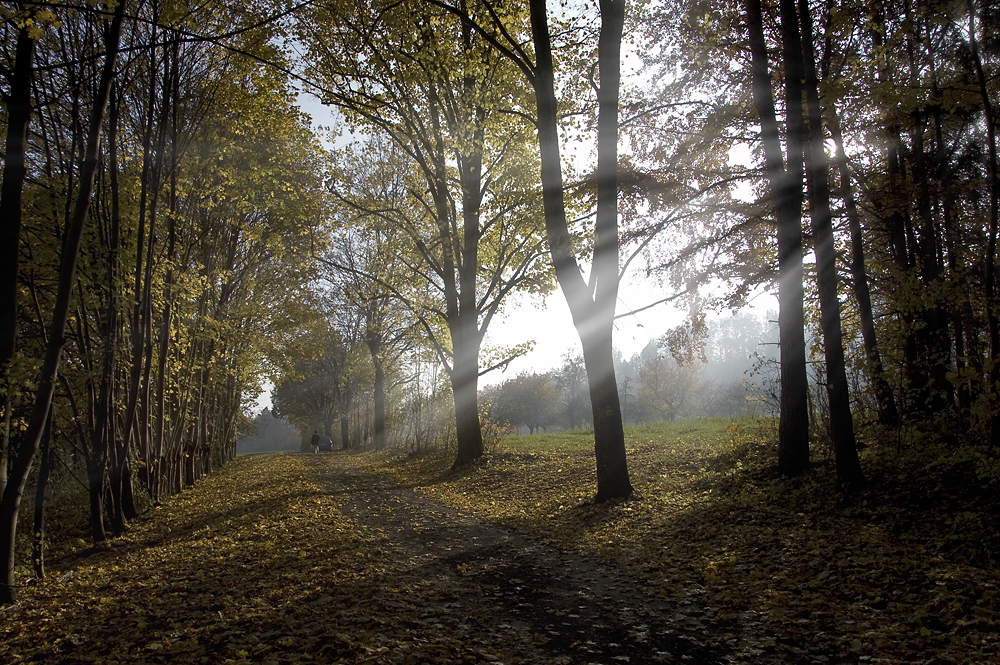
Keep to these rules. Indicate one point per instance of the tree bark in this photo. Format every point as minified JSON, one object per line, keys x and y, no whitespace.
{"x":593,"y":315}
{"x":992,"y":313}
{"x":26,"y":452}
{"x":465,"y":389}
{"x":785,"y":188}
{"x":817,"y":176}
{"x":888,"y":414}
{"x":14,"y":173}
{"x":41,"y":484}
{"x":379,"y":399}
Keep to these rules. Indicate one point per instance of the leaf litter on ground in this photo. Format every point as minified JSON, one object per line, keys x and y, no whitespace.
{"x":794,"y":569}
{"x":280,"y":559}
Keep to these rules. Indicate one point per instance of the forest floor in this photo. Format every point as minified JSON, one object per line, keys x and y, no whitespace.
{"x":366,"y":558}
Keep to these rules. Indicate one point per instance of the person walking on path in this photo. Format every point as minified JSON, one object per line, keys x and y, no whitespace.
{"x":315,"y":441}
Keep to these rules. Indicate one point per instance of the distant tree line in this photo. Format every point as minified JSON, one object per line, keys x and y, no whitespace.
{"x":271,"y":434}
{"x":729,"y":371}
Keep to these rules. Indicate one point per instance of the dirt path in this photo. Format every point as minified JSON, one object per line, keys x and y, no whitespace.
{"x":519,"y":600}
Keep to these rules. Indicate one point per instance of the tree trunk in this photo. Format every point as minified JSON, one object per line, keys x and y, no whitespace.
{"x":818,"y":174}
{"x":41,"y":484}
{"x":26,"y":452}
{"x":888,"y":415}
{"x":786,"y":196}
{"x":933,"y":392}
{"x":593,"y":316}
{"x":609,"y":439}
{"x":465,"y":388}
{"x":992,"y":313}
{"x":18,"y":101}
{"x":379,"y":399}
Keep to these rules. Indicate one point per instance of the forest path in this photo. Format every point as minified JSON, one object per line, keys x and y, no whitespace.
{"x":505,"y":596}
{"x":301,"y":558}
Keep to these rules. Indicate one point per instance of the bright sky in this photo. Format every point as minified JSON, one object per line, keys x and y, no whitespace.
{"x":551,"y":327}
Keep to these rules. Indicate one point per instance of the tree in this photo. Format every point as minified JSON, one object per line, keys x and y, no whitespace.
{"x":143,"y":203}
{"x":785,"y":187}
{"x":269,"y":434}
{"x":365,"y":285}
{"x":592,"y":303}
{"x":24,"y":458}
{"x":818,"y":181}
{"x":571,"y":378}
{"x":19,"y":108}
{"x":528,"y":399}
{"x":666,"y":389}
{"x":442,"y":97}
{"x":315,"y":392}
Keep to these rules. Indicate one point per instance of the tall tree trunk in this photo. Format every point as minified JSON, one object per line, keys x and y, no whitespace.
{"x":785,"y":188}
{"x":14,"y":172}
{"x":992,"y":306}
{"x":933,"y":391}
{"x":888,"y":415}
{"x":818,"y":174}
{"x":593,"y":315}
{"x":41,"y":484}
{"x":24,"y":459}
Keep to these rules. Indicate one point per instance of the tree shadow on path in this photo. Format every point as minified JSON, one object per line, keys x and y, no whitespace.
{"x":540,"y":602}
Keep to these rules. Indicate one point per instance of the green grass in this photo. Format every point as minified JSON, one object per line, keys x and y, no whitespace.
{"x":691,"y":433}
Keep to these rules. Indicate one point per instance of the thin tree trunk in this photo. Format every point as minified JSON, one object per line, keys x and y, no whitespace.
{"x":379,"y":399}
{"x":785,"y":189}
{"x":11,"y":188}
{"x":888,"y":414}
{"x":41,"y":484}
{"x":818,"y":174}
{"x":24,"y":459}
{"x":992,"y":313}
{"x":932,"y":393}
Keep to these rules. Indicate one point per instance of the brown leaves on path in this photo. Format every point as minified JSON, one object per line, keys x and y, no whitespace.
{"x":254,"y":565}
{"x":308,"y":559}
{"x":371,"y":559}
{"x":777,"y":571}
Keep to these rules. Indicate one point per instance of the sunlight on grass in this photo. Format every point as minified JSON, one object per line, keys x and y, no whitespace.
{"x":703,"y":433}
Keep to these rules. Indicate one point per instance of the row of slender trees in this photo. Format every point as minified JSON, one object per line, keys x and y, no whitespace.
{"x":161,"y":196}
